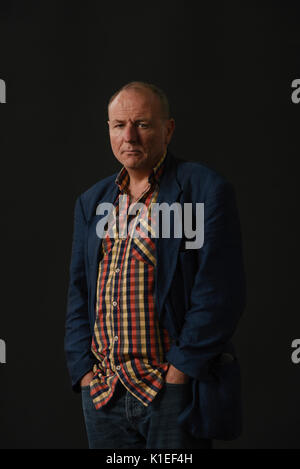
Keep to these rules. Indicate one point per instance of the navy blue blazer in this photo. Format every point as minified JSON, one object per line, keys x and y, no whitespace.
{"x":199,"y":294}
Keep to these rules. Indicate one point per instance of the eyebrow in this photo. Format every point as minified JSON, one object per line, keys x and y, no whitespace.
{"x":137,"y":120}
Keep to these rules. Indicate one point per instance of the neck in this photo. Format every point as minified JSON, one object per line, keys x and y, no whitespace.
{"x":138,"y":178}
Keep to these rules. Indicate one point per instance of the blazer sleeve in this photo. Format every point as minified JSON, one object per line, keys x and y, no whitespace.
{"x":217,"y":296}
{"x":78,"y":338}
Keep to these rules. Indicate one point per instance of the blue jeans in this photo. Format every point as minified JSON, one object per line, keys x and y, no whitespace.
{"x":124,"y":422}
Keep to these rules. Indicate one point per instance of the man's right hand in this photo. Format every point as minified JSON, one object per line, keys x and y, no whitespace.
{"x":85,"y":381}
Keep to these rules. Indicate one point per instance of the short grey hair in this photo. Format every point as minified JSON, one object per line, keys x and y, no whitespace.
{"x":136,"y":85}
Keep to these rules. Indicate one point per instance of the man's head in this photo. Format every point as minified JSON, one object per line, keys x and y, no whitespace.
{"x":140,"y":126}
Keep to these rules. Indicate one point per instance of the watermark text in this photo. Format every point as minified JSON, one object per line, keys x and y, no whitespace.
{"x":296,"y":353}
{"x":2,"y":351}
{"x":295,"y":96}
{"x":157,"y":220}
{"x":2,"y":91}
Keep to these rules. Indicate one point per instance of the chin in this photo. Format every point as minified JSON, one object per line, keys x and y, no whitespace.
{"x":134,"y":160}
{"x":132,"y":165}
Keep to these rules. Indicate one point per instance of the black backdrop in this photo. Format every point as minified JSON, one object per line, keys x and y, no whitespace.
{"x":227,"y":68}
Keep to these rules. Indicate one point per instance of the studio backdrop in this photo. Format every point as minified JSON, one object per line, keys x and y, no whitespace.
{"x":231,"y":73}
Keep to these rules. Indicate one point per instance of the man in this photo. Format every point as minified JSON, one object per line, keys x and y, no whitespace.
{"x":149,"y":320}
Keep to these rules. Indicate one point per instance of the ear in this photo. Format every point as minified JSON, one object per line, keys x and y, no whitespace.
{"x":170,"y":127}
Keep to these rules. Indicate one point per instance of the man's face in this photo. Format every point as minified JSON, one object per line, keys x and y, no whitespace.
{"x":139,"y":135}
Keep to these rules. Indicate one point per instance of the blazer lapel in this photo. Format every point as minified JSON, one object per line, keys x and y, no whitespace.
{"x":166,"y":248}
{"x":95,"y":238}
{"x":94,"y":245}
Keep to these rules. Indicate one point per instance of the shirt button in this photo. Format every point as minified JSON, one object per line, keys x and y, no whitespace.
{"x":115,"y":303}
{"x":118,"y":367}
{"x":117,"y":269}
{"x":116,"y":338}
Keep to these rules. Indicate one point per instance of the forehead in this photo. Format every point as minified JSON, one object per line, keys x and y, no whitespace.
{"x":134,"y":102}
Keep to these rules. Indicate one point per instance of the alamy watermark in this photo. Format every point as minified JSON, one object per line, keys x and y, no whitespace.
{"x":2,"y":91}
{"x":180,"y":217}
{"x":295,"y":96}
{"x":296,"y":353}
{"x":2,"y":351}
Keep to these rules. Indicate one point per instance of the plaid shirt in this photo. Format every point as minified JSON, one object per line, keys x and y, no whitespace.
{"x":128,"y":341}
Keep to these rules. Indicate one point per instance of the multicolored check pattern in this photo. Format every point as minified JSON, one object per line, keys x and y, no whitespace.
{"x":128,"y":341}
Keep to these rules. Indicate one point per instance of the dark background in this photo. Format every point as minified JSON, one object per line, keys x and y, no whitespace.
{"x":227,"y":68}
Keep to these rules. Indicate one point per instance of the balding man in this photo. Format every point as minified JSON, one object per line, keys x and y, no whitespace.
{"x":150,"y":317}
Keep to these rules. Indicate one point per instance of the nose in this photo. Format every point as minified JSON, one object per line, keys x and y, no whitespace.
{"x":130,"y":133}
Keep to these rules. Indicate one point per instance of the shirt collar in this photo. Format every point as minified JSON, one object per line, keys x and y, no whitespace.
{"x":122,"y":179}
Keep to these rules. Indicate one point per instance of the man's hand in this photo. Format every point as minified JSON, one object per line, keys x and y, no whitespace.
{"x":176,"y":376}
{"x":85,"y":381}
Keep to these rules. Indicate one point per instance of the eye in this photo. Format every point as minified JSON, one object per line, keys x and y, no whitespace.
{"x":118,"y":125}
{"x":143,"y":125}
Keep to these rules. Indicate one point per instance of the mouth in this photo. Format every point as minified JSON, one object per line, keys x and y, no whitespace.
{"x":132,"y":152}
